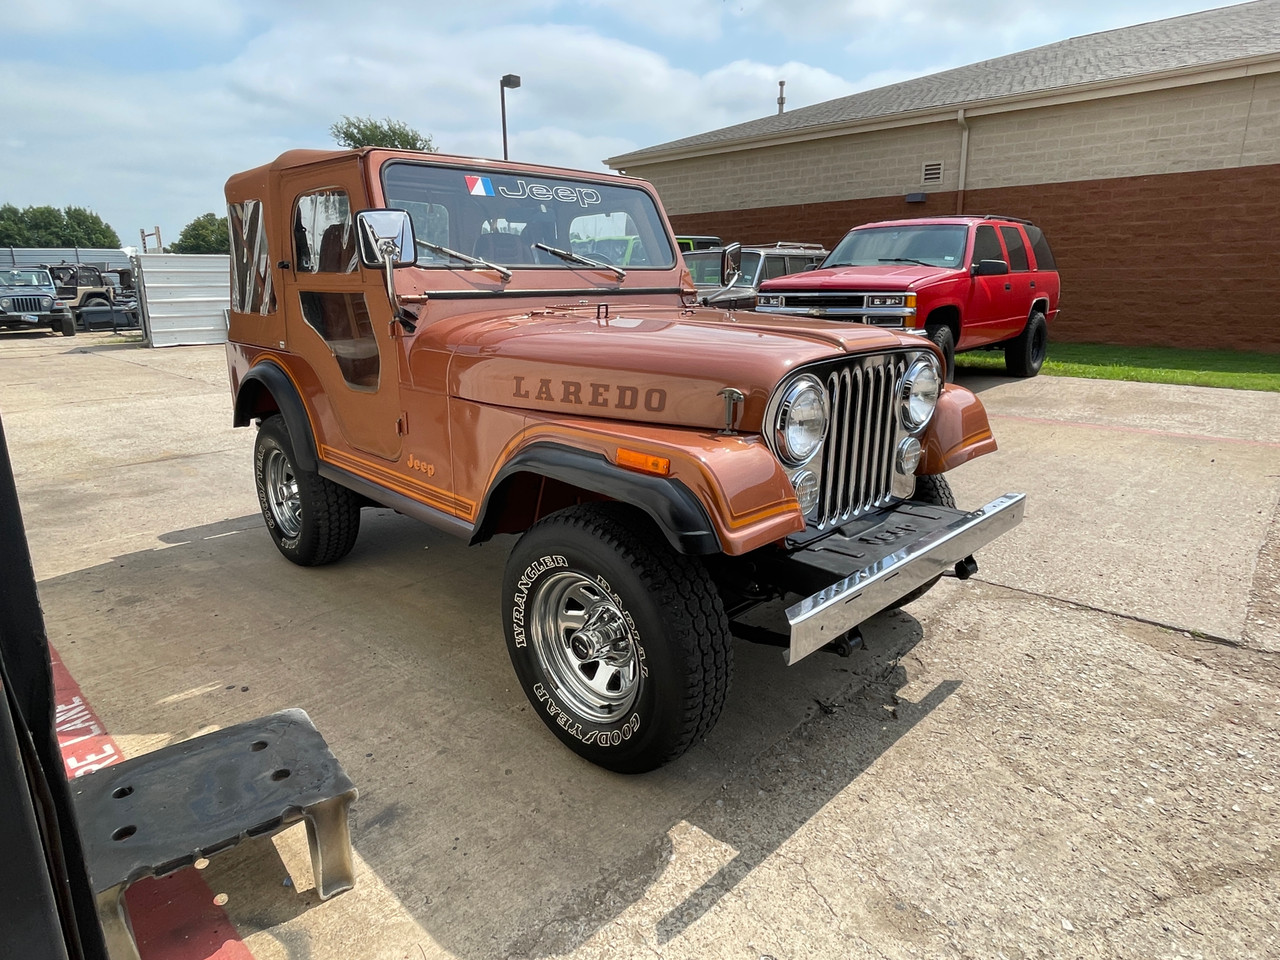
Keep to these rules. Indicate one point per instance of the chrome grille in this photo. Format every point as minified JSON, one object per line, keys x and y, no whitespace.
{"x":857,"y":457}
{"x":26,"y":304}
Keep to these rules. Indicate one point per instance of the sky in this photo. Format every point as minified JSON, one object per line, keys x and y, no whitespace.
{"x":140,"y":111}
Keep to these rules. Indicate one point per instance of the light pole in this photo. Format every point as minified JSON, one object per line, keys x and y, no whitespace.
{"x":510,"y":81}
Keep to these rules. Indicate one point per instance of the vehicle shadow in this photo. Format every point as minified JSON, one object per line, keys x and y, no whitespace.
{"x":474,"y":823}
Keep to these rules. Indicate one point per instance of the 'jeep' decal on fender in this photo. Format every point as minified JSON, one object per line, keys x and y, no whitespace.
{"x":620,"y":397}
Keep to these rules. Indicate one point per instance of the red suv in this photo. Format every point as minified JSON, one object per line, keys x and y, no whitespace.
{"x":964,"y":282}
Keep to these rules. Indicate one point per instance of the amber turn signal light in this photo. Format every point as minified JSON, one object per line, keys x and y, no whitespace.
{"x":644,"y":462}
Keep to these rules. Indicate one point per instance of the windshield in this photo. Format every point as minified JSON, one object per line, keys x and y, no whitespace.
{"x":498,"y":217}
{"x":930,"y":244}
{"x":705,"y":267}
{"x":25,"y":278}
{"x":750,"y":267}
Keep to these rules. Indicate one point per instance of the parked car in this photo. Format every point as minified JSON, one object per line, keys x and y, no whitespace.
{"x":29,"y":300}
{"x":667,"y":467}
{"x":758,"y":262}
{"x":697,"y":243}
{"x":964,"y":282}
{"x":81,"y":285}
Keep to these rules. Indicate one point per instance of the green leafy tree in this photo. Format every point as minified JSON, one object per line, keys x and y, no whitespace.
{"x":207,"y":233}
{"x":367,"y":132}
{"x":50,"y":227}
{"x":86,"y":229}
{"x":13,"y":228}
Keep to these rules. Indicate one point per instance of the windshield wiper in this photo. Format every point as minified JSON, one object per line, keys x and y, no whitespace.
{"x":904,"y":260}
{"x":473,"y":263}
{"x":578,"y":258}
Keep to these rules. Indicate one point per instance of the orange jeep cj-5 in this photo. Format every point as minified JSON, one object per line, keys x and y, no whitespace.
{"x":420,"y":332}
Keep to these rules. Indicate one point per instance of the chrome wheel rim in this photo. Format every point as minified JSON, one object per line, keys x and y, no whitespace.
{"x":282,"y":493}
{"x":585,"y":646}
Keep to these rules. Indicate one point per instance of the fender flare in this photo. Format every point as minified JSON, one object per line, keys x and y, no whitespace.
{"x":269,"y":377}
{"x":671,"y":505}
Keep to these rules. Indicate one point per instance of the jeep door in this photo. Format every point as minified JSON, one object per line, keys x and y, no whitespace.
{"x":337,"y":316}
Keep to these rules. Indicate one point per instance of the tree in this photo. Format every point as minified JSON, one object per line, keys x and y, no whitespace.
{"x":207,"y":233}
{"x":367,"y":132}
{"x":50,"y":227}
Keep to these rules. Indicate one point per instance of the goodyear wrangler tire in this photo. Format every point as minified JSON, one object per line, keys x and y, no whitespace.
{"x":621,"y":644}
{"x":930,"y":488}
{"x":313,"y":521}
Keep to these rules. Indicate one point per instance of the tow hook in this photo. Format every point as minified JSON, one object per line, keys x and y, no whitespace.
{"x":966,"y":568}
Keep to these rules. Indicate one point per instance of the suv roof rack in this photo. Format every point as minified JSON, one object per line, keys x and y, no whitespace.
{"x":787,"y":243}
{"x":999,"y":216}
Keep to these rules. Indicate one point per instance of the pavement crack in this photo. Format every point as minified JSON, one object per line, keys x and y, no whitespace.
{"x":1191,"y":632}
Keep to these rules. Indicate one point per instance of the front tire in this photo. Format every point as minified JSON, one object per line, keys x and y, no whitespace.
{"x":620,"y":643}
{"x":930,"y":488}
{"x":946,"y":342}
{"x":313,"y":521}
{"x":1024,"y":355}
{"x":67,"y":326}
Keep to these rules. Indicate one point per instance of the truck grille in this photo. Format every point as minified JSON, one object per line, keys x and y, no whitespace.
{"x":26,"y":304}
{"x":858,"y":456}
{"x":803,"y":300}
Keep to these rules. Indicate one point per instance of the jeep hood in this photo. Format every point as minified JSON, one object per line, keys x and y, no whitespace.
{"x":659,"y":365}
{"x":889,"y":276}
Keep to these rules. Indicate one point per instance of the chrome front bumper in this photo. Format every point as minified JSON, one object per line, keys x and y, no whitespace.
{"x":906,"y":548}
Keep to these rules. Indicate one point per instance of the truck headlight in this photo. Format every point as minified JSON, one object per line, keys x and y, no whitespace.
{"x":801,"y":421}
{"x":894,"y":300}
{"x":46,"y":303}
{"x":5,"y":303}
{"x":919,"y":392}
{"x":769,"y":300}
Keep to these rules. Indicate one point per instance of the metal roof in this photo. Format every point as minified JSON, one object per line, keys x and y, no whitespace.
{"x":1197,"y":40}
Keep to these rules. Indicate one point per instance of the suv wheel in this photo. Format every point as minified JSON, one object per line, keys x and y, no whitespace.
{"x":930,"y":488}
{"x":313,"y":521}
{"x":67,"y":326}
{"x":946,"y":341}
{"x":1024,"y":355}
{"x":620,"y":643}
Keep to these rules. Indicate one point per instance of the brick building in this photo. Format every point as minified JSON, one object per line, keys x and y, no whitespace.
{"x":1150,"y":155}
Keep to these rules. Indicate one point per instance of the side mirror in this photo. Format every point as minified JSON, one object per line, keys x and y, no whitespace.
{"x":810,"y":266}
{"x":730,"y":264}
{"x":990,"y":268}
{"x":386,"y":238}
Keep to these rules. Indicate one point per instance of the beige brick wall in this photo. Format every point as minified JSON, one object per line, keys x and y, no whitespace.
{"x":835,"y":168}
{"x":1209,"y":127}
{"x":1206,"y":127}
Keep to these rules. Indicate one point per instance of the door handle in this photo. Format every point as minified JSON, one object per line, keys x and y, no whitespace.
{"x":1008,"y":286}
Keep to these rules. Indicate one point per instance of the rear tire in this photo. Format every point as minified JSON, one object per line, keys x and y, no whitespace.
{"x":1024,"y":355}
{"x":931,"y":488}
{"x":620,"y":643}
{"x":313,"y":521}
{"x":946,"y":342}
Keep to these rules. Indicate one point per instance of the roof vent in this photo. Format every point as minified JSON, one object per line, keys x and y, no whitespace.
{"x":931,"y":172}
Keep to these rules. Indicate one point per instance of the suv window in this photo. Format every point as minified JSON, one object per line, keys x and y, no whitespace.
{"x":1040,"y":247}
{"x":324,"y":237}
{"x":986,"y":245}
{"x":1017,"y":249}
{"x":251,"y":289}
{"x":774,"y":266}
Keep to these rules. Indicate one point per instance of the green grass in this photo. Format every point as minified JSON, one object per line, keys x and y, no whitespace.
{"x":1201,"y":368}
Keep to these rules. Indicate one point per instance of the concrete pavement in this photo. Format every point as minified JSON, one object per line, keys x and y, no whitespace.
{"x":1053,"y":760}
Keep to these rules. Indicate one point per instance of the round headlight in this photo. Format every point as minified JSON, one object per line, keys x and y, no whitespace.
{"x":46,"y":303}
{"x":5,"y":303}
{"x":807,"y":490}
{"x":919,"y":392}
{"x":801,"y":421}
